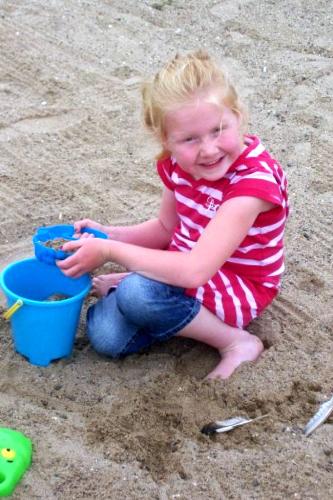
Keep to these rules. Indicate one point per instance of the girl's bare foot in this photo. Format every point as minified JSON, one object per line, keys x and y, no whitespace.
{"x":101,"y":284}
{"x":246,"y":347}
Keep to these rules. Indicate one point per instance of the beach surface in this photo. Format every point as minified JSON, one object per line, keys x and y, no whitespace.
{"x":71,"y":146}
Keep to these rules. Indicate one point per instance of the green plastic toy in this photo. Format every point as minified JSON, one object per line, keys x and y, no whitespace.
{"x":15,"y":459}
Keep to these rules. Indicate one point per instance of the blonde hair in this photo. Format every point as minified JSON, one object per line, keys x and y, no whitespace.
{"x":178,"y":82}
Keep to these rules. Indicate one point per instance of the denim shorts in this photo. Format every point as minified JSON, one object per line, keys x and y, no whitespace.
{"x":139,"y":312}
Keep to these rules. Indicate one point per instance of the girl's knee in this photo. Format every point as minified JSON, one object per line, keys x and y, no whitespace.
{"x":103,"y":345}
{"x":134,"y":296}
{"x":100,"y":336}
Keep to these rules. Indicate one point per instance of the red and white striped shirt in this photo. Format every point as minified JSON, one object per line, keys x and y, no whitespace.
{"x":249,"y":280}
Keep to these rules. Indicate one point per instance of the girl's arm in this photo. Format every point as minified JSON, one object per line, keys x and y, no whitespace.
{"x":153,"y":233}
{"x":221,"y":238}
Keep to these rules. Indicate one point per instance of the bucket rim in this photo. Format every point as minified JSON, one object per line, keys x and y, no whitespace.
{"x":7,"y":291}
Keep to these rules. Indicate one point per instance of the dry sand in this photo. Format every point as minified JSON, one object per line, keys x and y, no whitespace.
{"x":72,"y":146}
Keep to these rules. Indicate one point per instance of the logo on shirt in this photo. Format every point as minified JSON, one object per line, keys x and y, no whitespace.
{"x":211,"y":205}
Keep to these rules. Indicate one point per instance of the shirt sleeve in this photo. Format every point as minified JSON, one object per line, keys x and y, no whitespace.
{"x":258,"y":183}
{"x":165,"y":169}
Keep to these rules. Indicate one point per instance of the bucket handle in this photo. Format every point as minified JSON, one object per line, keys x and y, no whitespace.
{"x":12,"y":309}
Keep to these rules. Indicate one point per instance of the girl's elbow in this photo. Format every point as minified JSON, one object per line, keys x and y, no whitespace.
{"x":195,"y":279}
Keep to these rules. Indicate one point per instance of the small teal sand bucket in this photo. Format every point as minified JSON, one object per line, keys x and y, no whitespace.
{"x":43,"y":327}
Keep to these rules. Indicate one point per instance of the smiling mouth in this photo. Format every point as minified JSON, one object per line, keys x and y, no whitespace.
{"x":212,"y":164}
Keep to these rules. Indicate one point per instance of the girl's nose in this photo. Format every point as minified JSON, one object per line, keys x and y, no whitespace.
{"x":208,"y":147}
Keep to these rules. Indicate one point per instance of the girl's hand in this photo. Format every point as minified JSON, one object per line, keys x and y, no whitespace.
{"x":81,"y":224}
{"x":89,"y":253}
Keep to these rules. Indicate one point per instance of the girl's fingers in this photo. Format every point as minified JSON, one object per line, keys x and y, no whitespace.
{"x":79,"y":225}
{"x":72,"y":245}
{"x":74,"y":271}
{"x":83,"y":235}
{"x":68,"y":263}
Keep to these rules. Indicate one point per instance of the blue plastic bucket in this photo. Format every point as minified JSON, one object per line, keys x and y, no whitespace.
{"x":43,"y":330}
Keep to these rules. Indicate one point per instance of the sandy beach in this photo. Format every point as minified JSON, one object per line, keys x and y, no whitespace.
{"x":71,"y":146}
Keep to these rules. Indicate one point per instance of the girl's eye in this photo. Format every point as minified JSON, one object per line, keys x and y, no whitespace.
{"x":216,"y":131}
{"x":189,"y":139}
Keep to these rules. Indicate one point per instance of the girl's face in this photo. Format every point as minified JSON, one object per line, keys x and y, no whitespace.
{"x":204,"y":138}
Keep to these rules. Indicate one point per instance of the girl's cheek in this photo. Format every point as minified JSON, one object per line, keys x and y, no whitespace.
{"x":229,"y":140}
{"x":181,"y":151}
{"x":188,"y":155}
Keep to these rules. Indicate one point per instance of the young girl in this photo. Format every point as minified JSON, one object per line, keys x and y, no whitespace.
{"x":212,"y":260}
